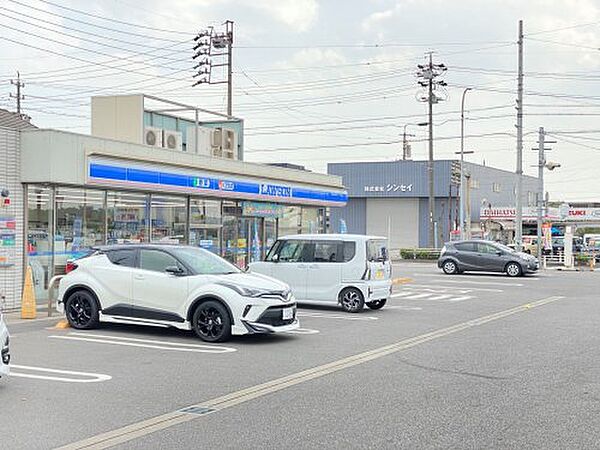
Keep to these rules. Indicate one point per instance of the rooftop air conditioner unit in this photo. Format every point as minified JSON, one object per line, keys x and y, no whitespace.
{"x":217,"y":137}
{"x":172,"y":140}
{"x":153,"y":136}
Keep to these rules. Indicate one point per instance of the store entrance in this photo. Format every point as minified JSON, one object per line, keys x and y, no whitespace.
{"x":246,"y":238}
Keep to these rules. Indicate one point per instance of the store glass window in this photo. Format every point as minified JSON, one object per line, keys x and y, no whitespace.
{"x":310,"y":220}
{"x":168,"y":219}
{"x":205,"y":224}
{"x":80,"y":223}
{"x":127,"y":217}
{"x":291,"y":222}
{"x":39,"y":237}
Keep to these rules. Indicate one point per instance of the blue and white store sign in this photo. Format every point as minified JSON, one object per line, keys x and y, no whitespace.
{"x":146,"y":176}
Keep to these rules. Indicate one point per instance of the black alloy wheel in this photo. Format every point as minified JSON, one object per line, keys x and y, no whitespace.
{"x":82,"y":310}
{"x":377,"y":304}
{"x":352,"y":300}
{"x":211,"y":322}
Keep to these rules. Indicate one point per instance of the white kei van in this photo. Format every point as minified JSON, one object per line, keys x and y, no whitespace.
{"x":350,"y":270}
{"x":4,"y":350}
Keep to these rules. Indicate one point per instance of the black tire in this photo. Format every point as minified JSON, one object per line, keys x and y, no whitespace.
{"x":450,"y":267}
{"x":81,"y":310}
{"x":352,"y":300}
{"x":211,"y":322}
{"x":513,"y":269}
{"x":377,"y":304}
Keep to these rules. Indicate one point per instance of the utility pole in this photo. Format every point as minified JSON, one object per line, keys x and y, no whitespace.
{"x":405,"y":145}
{"x":222,"y":42}
{"x":519,"y":193}
{"x":229,"y":31}
{"x":462,"y":164}
{"x":18,"y":96}
{"x":428,"y":74}
{"x":542,"y":163}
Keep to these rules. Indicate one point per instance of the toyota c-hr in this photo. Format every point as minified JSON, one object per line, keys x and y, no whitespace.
{"x":173,"y":286}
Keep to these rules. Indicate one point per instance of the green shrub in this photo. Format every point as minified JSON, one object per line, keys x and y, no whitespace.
{"x":419,"y":253}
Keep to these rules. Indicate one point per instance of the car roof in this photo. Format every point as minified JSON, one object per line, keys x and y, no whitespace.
{"x":109,"y":247}
{"x":483,"y":241}
{"x":329,"y":237}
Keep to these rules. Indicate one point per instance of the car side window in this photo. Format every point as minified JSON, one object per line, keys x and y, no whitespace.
{"x":328,"y":251}
{"x":295,"y":251}
{"x":486,"y":248}
{"x":122,"y":257}
{"x":349,"y":251}
{"x":465,"y":247}
{"x":156,"y":260}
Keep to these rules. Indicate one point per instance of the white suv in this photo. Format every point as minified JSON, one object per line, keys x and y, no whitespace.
{"x":4,"y":350}
{"x":173,"y":286}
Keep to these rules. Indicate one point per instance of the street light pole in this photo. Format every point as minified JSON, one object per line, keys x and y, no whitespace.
{"x":462,"y":162}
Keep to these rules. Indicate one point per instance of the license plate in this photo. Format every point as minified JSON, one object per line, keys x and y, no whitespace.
{"x":288,"y":313}
{"x":379,"y":275}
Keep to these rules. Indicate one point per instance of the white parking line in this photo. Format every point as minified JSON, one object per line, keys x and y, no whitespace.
{"x":432,"y":295}
{"x":303,"y":331}
{"x":89,"y":377}
{"x":428,"y":286}
{"x":334,"y":316}
{"x":145,"y":343}
{"x":414,"y":296}
{"x":446,"y":280}
{"x":405,"y":308}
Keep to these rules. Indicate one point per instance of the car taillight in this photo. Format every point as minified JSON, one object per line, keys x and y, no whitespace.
{"x":70,"y":267}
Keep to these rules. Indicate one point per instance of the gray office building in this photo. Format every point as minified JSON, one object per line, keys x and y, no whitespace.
{"x":391,"y":199}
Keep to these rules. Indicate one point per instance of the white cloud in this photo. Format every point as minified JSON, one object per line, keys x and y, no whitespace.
{"x":298,"y":14}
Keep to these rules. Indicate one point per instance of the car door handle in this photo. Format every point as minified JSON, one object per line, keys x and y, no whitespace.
{"x":313,"y":266}
{"x":302,"y":266}
{"x":139,"y":277}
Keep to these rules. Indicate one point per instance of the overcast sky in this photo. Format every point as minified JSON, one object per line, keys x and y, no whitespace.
{"x":323,"y":81}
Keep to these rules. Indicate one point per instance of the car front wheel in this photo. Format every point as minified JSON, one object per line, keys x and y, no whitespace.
{"x":513,"y":270}
{"x":82,"y":310}
{"x":377,"y":304}
{"x":211,"y":322}
{"x":449,"y":267}
{"x":352,"y":300}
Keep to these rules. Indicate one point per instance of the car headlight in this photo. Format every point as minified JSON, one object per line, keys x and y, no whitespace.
{"x":245,"y":291}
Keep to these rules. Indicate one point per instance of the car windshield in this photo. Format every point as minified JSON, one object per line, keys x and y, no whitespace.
{"x":203,"y":262}
{"x":505,"y":248}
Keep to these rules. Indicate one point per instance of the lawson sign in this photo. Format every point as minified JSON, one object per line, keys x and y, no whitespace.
{"x":123,"y":174}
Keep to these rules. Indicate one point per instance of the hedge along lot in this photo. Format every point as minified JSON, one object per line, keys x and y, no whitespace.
{"x":420,"y":253}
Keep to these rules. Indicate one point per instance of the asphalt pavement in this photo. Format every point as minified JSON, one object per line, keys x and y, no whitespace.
{"x":465,"y":361}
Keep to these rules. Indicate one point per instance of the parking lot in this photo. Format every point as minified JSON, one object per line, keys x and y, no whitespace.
{"x":451,"y":361}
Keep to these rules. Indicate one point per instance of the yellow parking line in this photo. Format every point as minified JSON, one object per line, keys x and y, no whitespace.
{"x":404,"y":280}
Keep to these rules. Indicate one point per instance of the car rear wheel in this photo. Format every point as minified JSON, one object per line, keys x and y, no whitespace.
{"x":82,"y":310}
{"x":449,"y":267}
{"x":352,"y":300}
{"x":514,"y":270}
{"x":211,"y":322}
{"x":377,"y":304}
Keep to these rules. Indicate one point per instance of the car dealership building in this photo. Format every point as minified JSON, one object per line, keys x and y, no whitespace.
{"x":391,"y":199}
{"x":144,"y":175}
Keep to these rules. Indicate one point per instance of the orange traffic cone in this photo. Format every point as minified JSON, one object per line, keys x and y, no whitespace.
{"x":28,"y":304}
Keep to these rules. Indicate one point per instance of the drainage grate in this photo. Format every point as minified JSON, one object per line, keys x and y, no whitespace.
{"x":198,"y":410}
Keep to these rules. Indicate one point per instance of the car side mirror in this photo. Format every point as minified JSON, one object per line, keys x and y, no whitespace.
{"x":175,"y":270}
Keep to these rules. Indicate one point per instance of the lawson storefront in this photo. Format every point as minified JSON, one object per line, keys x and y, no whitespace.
{"x":81,"y":191}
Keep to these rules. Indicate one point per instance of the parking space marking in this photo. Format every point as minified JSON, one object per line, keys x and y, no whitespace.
{"x":428,"y":286}
{"x":86,"y":377}
{"x":303,"y":331}
{"x":433,"y":295}
{"x":180,"y":416}
{"x":144,"y":343}
{"x":483,"y":283}
{"x":405,"y":308}
{"x":335,"y":316}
